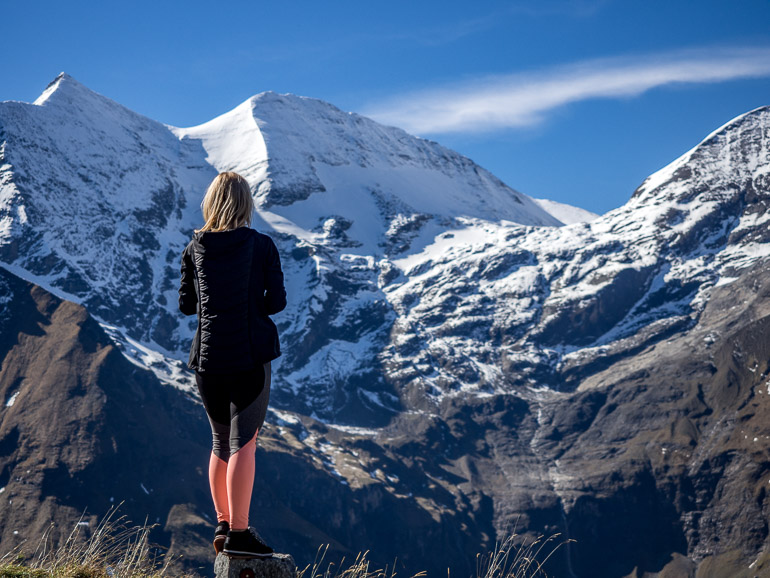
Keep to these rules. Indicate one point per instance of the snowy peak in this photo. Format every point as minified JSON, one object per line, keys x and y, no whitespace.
{"x":62,"y":84}
{"x":715,"y":197}
{"x":739,"y":149}
{"x":564,"y":302}
{"x":95,"y":198}
{"x":67,"y":93}
{"x":294,"y":148}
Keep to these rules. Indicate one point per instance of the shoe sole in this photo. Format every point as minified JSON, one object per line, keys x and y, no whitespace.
{"x":219,"y":544}
{"x":245,"y":555}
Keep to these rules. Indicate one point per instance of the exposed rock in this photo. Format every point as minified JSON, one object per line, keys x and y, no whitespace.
{"x":277,"y":566}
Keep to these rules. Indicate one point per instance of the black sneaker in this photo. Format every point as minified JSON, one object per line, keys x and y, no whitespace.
{"x":246,"y":544}
{"x":220,"y":534}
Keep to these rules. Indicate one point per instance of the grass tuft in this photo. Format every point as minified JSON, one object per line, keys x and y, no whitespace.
{"x":518,"y":557}
{"x":514,"y":557}
{"x":114,"y":550}
{"x":360,"y":568}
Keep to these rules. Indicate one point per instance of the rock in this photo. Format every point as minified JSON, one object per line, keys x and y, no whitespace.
{"x":279,"y":566}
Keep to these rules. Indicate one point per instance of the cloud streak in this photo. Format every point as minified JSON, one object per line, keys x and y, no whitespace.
{"x":521,"y":100}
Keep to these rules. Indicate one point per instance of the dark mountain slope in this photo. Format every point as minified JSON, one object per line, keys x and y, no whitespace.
{"x":82,"y":429}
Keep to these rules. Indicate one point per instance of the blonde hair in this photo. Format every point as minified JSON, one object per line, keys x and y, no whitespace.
{"x":227,"y":203}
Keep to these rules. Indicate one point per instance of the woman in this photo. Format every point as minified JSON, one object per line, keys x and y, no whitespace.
{"x":232,"y":279}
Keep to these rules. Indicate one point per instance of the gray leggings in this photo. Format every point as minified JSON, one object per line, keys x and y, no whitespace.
{"x":236,"y":404}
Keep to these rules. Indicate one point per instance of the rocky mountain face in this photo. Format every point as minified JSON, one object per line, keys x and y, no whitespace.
{"x":455,"y":360}
{"x":83,"y":430}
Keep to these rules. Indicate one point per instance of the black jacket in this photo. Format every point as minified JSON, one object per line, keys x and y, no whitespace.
{"x":233,"y":281}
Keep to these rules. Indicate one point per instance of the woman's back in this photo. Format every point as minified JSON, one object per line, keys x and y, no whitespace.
{"x":239,"y":283}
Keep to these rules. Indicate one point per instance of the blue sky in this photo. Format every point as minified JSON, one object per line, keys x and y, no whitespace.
{"x":577,"y":101}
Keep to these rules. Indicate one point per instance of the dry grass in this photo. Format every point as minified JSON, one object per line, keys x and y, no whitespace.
{"x":518,"y":557}
{"x":360,"y":568}
{"x":114,"y":550}
{"x":514,"y":557}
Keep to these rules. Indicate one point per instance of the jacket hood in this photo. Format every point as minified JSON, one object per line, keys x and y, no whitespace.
{"x":220,"y":241}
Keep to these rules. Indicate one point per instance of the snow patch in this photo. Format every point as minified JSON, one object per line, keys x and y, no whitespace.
{"x":12,"y":399}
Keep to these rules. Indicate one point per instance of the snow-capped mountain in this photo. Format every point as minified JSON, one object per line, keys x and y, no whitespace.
{"x":95,"y":199}
{"x":96,"y":203}
{"x":505,"y":305}
{"x":308,"y":159}
{"x":412,"y":273}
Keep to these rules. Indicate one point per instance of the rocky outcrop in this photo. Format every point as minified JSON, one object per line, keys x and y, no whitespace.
{"x":277,"y":566}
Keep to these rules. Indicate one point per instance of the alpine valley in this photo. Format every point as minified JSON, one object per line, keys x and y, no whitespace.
{"x":458,"y":363}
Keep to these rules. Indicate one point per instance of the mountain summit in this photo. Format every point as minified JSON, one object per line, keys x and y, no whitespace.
{"x":65,"y":91}
{"x":309,"y":155}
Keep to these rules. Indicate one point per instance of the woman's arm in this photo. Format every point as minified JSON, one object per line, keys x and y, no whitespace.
{"x":188,"y":298}
{"x":275,"y":293}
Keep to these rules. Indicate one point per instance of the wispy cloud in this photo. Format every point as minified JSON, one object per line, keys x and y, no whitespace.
{"x":520,"y":100}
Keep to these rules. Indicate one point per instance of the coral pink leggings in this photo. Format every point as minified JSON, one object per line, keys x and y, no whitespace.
{"x":236,"y":405}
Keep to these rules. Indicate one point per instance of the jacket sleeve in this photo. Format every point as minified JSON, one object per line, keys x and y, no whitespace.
{"x":275,"y":293}
{"x":188,"y":298}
